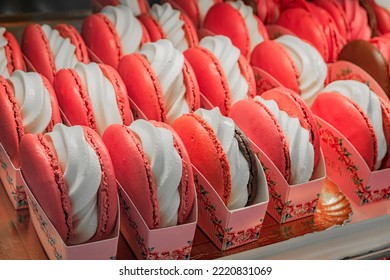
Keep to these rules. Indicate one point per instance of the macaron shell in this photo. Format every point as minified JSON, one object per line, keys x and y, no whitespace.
{"x":261,"y":127}
{"x":13,"y":53}
{"x":100,"y":36}
{"x":190,"y":7}
{"x":210,"y":76}
{"x":73,"y":98}
{"x":247,"y":72}
{"x":187,"y":185}
{"x":192,"y":93}
{"x":348,"y":118}
{"x":283,"y":69}
{"x":189,"y":30}
{"x":143,"y":86}
{"x":107,"y":197}
{"x":306,"y":26}
{"x":152,"y":26}
{"x":223,"y":19}
{"x":11,"y":125}
{"x":205,"y":152}
{"x":69,"y":31}
{"x":126,"y":153}
{"x":289,"y":102}
{"x":365,"y":55}
{"x":36,"y":48}
{"x":42,"y":173}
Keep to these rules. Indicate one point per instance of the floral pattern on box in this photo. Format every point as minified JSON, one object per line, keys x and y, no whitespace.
{"x":286,"y":209}
{"x":226,"y":236}
{"x":148,"y":252}
{"x":50,"y":240}
{"x":364,"y":192}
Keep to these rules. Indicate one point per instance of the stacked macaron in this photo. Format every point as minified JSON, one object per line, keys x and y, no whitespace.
{"x":137,"y":6}
{"x":361,"y":116}
{"x":11,"y":58}
{"x":237,"y":21}
{"x":93,"y":95}
{"x":160,"y":81}
{"x":299,"y":66}
{"x":280,"y":123}
{"x":222,"y":153}
{"x":154,"y":169}
{"x":51,"y":49}
{"x":223,"y":74}
{"x":112,"y":33}
{"x":28,"y":104}
{"x":165,"y":22}
{"x":70,"y":173}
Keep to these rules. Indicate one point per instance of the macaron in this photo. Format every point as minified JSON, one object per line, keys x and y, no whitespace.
{"x":28,"y":104}
{"x":112,"y":33}
{"x":381,"y":10}
{"x":224,"y":75}
{"x":283,"y":127}
{"x":160,"y":81}
{"x":237,"y":21}
{"x":70,"y":173}
{"x":165,"y":22}
{"x":10,"y":54}
{"x":267,"y":10}
{"x":360,"y":115}
{"x":137,"y":6}
{"x":51,"y":49}
{"x":196,"y":10}
{"x":93,"y":95}
{"x":299,"y":66}
{"x":222,"y":153}
{"x":154,"y":169}
{"x":368,"y":57}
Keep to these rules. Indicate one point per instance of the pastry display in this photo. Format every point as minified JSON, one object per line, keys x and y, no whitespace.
{"x":165,"y":22}
{"x":10,"y":54}
{"x":154,"y":169}
{"x":93,"y":95}
{"x":51,"y":49}
{"x":112,"y":33}
{"x":70,"y":173}
{"x":160,"y":81}
{"x":222,"y":153}
{"x":368,"y":125}
{"x":28,"y":104}
{"x":223,"y":74}
{"x":237,"y":21}
{"x":299,"y":66}
{"x":283,"y":127}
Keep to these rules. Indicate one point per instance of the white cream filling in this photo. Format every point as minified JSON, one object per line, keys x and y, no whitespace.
{"x":228,"y":55}
{"x":166,"y":165}
{"x":127,"y":26}
{"x":224,"y":129}
{"x":3,"y":58}
{"x":301,"y":151}
{"x":63,"y":50}
{"x":310,"y":65}
{"x":101,"y":94}
{"x":33,"y":99}
{"x":369,"y":102}
{"x":167,"y":62}
{"x":82,"y":174}
{"x":170,"y":21}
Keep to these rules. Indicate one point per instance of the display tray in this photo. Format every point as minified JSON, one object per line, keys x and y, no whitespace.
{"x":328,"y":234}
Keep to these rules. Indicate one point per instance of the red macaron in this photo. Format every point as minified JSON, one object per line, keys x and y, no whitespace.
{"x":112,"y":33}
{"x":10,"y":54}
{"x":223,"y":73}
{"x":160,"y":81}
{"x":137,"y":6}
{"x":93,"y":95}
{"x":28,"y":104}
{"x":70,"y":173}
{"x":51,"y":49}
{"x":154,"y":169}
